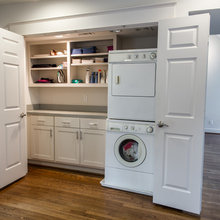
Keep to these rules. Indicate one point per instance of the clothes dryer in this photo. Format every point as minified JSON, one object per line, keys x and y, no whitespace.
{"x":131,"y":79}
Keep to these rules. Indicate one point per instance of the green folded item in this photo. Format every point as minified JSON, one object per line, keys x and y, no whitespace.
{"x":77,"y":81}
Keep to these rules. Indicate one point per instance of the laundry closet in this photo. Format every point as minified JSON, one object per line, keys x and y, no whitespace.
{"x":66,"y":117}
{"x":67,"y":124}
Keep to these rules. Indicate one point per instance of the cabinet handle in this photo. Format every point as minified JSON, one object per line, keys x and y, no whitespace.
{"x":117,"y":80}
{"x":77,"y":135}
{"x":66,"y":122}
{"x":80,"y":135}
{"x":93,"y":124}
{"x":51,"y":133}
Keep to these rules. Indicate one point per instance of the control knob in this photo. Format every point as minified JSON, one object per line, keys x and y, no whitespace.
{"x":153,"y":56}
{"x":150,"y":129}
{"x":125,"y":127}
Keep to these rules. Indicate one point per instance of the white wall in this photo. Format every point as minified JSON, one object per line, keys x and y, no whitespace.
{"x":41,"y":16}
{"x":212,"y":119}
{"x":73,"y":96}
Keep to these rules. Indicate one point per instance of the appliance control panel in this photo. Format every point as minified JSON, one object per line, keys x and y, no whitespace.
{"x":145,"y":55}
{"x":131,"y":127}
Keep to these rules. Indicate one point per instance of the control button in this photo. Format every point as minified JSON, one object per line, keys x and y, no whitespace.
{"x":144,"y":56}
{"x":153,"y":56}
{"x":136,"y":56}
{"x":150,"y":129}
{"x":132,"y":128}
{"x":125,"y":127}
{"x":129,"y":57}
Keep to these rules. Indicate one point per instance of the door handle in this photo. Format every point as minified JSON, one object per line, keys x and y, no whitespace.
{"x":22,"y":115}
{"x":117,"y":79}
{"x":160,"y":124}
{"x":51,"y":133}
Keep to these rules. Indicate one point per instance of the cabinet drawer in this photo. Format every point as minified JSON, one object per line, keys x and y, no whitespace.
{"x":42,"y":120}
{"x":93,"y":123}
{"x":67,"y":122}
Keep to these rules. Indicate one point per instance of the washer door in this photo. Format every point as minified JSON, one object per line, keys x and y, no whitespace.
{"x":130,"y":150}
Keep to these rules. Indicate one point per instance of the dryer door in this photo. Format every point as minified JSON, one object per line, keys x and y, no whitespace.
{"x":130,"y":150}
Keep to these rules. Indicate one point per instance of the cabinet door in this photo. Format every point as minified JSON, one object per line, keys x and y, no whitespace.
{"x":67,"y":145}
{"x":180,"y":103}
{"x":42,"y":142}
{"x":92,"y":148}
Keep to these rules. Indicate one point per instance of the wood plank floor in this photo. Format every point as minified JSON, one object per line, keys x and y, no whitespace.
{"x":54,"y":194}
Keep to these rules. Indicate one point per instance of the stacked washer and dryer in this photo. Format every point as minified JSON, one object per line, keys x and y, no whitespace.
{"x":131,"y":121}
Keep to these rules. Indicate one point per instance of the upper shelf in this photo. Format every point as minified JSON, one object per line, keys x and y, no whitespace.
{"x":48,"y":68}
{"x":89,"y":64}
{"x":48,"y":57}
{"x":89,"y":55}
{"x":69,"y":85}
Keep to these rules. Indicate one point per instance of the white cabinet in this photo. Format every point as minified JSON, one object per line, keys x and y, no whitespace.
{"x":67,"y":145}
{"x":92,"y":148}
{"x":67,"y":140}
{"x":42,"y":138}
{"x":42,"y":142}
{"x":80,"y":141}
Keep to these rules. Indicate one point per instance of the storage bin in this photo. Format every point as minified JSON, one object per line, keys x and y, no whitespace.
{"x":89,"y":50}
{"x":99,"y":60}
{"x":87,"y":61}
{"x":76,"y":51}
{"x":76,"y":61}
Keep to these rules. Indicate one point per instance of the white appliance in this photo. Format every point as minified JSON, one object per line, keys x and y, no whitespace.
{"x":132,"y":75}
{"x":129,"y":156}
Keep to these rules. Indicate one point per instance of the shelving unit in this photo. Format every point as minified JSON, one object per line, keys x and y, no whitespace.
{"x":90,"y":64}
{"x":39,"y":53}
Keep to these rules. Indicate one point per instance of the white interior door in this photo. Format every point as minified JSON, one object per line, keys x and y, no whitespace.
{"x":180,"y":103}
{"x":13,"y":156}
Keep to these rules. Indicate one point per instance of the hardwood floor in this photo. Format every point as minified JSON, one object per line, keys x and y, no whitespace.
{"x":52,"y":194}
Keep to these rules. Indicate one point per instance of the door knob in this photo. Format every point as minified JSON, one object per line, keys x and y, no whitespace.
{"x":22,"y":115}
{"x":160,"y":124}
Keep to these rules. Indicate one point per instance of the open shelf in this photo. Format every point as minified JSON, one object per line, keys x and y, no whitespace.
{"x":48,"y":57}
{"x":69,"y":85}
{"x":48,"y":68}
{"x":89,"y":64}
{"x":89,"y":55}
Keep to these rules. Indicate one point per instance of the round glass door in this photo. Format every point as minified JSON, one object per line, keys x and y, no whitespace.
{"x":130,"y":150}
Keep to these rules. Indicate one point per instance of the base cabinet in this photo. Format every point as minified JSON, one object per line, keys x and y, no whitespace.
{"x":66,"y":140}
{"x":92,"y":148}
{"x":42,"y":142}
{"x":67,"y":145}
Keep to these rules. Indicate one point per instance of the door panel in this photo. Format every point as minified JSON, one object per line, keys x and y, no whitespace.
{"x":180,"y":74}
{"x":13,"y":145}
{"x":180,"y":104}
{"x":133,"y":80}
{"x":67,"y":145}
{"x":11,"y":75}
{"x":42,"y":142}
{"x":92,"y":148}
{"x":13,"y":153}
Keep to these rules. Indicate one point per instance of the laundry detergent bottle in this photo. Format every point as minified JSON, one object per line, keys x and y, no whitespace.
{"x":87,"y":75}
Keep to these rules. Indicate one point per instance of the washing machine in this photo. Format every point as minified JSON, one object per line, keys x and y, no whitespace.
{"x":129,"y":156}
